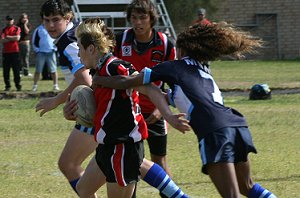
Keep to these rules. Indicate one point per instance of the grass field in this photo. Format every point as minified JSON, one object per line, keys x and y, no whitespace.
{"x":30,"y":145}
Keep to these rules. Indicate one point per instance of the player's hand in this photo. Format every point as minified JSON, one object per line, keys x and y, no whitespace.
{"x":46,"y":105}
{"x":70,"y":108}
{"x":179,"y":122}
{"x":154,"y":117}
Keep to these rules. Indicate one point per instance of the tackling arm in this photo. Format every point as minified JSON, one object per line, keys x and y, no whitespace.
{"x":118,"y":81}
{"x":158,"y":99}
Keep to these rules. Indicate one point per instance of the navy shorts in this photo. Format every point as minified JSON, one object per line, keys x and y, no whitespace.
{"x":157,"y":139}
{"x":230,"y":144}
{"x":120,"y":163}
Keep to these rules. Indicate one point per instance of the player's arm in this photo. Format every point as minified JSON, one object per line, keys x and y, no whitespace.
{"x":118,"y":81}
{"x":82,"y":77}
{"x":158,"y":99}
{"x":13,"y":38}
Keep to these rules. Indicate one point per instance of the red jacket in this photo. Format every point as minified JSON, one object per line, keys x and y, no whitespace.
{"x":10,"y":46}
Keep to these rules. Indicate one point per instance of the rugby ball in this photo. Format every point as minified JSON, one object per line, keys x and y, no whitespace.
{"x":86,"y":105}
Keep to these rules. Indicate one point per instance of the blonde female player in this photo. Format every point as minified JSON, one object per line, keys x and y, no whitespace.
{"x":119,"y":125}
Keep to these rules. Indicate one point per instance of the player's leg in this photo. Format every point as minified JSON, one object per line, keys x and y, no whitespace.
{"x":92,"y":179}
{"x":160,"y":159}
{"x":22,"y":60}
{"x":247,"y":186}
{"x":52,"y":67}
{"x":244,"y":145}
{"x":155,"y":176}
{"x":77,"y":148}
{"x":218,"y":156}
{"x":16,"y":70}
{"x":115,"y":190}
{"x":39,"y":65}
{"x":120,"y":163}
{"x":224,"y":178}
{"x":6,"y":70}
{"x":157,"y":142}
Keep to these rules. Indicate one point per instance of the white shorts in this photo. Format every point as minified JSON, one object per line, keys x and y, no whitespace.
{"x":69,"y":77}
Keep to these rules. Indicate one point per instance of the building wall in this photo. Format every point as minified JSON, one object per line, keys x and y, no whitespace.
{"x":276,"y":21}
{"x":15,"y":8}
{"x":267,"y":18}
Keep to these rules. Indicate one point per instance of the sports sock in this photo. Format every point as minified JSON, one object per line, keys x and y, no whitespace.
{"x":73,"y":184}
{"x":258,"y":191}
{"x":158,"y":178}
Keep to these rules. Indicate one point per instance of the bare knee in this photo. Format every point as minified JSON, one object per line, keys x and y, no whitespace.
{"x":68,"y":168}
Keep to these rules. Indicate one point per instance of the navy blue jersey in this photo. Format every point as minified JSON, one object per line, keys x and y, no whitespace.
{"x":194,"y":92}
{"x":68,"y":50}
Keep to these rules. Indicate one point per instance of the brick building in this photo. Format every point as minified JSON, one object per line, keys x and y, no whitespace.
{"x":15,"y":8}
{"x":276,"y":21}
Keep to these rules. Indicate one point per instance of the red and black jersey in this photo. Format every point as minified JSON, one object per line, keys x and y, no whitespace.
{"x":158,"y":50}
{"x":118,"y":118}
{"x":10,"y":46}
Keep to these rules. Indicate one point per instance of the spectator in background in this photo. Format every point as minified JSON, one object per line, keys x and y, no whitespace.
{"x":9,"y":37}
{"x":44,"y":49}
{"x":24,"y":44}
{"x":201,"y":18}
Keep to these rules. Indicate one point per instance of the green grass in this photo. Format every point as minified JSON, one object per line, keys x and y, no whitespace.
{"x":228,"y":75}
{"x":244,"y":74}
{"x":30,"y":145}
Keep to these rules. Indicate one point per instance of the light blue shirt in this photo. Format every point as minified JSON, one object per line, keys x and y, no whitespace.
{"x":42,"y":41}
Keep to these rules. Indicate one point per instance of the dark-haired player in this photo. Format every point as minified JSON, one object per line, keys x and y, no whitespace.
{"x":222,"y":132}
{"x":57,"y":19}
{"x":143,"y":46}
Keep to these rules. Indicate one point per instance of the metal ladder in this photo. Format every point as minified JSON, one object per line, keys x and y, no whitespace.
{"x":165,"y":19}
{"x":164,"y":24}
{"x":76,"y":11}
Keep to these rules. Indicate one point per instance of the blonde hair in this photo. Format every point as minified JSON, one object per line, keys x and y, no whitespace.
{"x":93,"y":31}
{"x":211,"y":42}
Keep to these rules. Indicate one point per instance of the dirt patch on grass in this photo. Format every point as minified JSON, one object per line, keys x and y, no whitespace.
{"x":225,"y":92}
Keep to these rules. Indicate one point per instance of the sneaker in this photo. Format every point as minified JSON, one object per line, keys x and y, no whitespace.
{"x":7,"y":89}
{"x":34,"y":88}
{"x":19,"y":88}
{"x":28,"y":75}
{"x":55,"y":88}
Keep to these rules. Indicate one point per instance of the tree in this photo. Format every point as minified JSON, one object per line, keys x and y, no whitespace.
{"x":183,"y":12}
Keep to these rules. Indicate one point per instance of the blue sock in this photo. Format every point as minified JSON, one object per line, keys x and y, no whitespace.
{"x":159,"y":179}
{"x":258,"y":191}
{"x":73,"y":184}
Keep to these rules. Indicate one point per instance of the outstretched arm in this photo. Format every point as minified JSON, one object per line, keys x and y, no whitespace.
{"x":118,"y":81}
{"x":176,"y":120}
{"x":82,"y":77}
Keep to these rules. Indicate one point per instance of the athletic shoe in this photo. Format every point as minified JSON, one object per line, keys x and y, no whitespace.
{"x":28,"y":75}
{"x":55,"y":88}
{"x":34,"y":88}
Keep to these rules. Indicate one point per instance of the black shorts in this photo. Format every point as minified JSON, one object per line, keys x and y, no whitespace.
{"x":120,"y":163}
{"x":230,"y":144}
{"x":157,"y":139}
